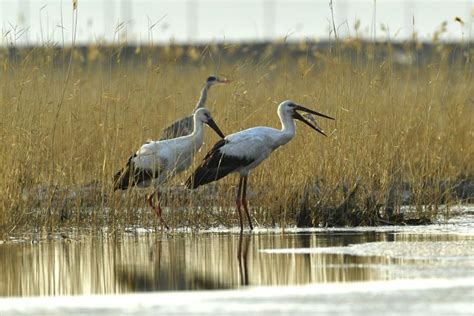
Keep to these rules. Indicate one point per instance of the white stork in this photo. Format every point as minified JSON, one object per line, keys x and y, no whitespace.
{"x":158,"y":161}
{"x":184,"y":126}
{"x":243,"y":151}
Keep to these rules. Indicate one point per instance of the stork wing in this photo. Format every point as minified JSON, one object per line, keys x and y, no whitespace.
{"x":215,"y":166}
{"x":179,"y":128}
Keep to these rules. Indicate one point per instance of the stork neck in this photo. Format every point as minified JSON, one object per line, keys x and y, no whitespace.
{"x":203,"y":98}
{"x":288,"y":129}
{"x":197,"y":135}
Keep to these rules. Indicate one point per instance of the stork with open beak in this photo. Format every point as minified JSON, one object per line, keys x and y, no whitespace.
{"x":157,"y":161}
{"x":185,"y":126}
{"x":243,"y":151}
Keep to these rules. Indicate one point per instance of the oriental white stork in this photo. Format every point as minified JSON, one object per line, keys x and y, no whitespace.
{"x":243,"y":151}
{"x":157,"y":161}
{"x":184,"y":126}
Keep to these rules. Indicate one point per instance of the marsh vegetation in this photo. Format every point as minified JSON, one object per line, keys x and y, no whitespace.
{"x":403,"y":132}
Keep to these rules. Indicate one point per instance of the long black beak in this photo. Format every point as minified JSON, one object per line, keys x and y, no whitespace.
{"x":298,"y":116}
{"x":302,"y":108}
{"x":214,"y":126}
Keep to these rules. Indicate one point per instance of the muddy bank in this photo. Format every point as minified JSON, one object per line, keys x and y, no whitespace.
{"x":358,"y":207}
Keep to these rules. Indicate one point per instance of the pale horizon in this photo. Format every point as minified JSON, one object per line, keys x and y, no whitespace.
{"x":36,"y":22}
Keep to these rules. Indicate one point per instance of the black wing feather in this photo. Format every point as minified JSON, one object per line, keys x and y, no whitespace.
{"x":215,"y":166}
{"x":130,"y":175}
{"x":178,"y":128}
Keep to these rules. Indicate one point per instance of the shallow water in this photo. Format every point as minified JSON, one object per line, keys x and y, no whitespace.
{"x":266,"y":271}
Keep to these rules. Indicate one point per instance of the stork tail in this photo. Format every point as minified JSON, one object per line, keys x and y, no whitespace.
{"x":122,"y":177}
{"x":130,"y":175}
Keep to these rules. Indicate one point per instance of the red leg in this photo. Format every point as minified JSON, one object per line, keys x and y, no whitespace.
{"x":238,"y":201}
{"x":149,"y":199}
{"x":156,"y":208}
{"x":244,"y":202}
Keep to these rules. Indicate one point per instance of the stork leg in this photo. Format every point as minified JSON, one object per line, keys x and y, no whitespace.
{"x":244,"y":202}
{"x":157,"y":207}
{"x":238,"y":201}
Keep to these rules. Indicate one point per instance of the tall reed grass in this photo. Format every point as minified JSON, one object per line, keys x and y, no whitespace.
{"x":398,"y":126}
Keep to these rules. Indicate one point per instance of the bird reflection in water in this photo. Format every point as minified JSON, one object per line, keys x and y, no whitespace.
{"x":175,"y":276}
{"x":242,"y":255}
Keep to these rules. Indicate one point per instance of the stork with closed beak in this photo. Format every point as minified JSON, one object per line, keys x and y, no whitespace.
{"x":243,"y":151}
{"x":185,"y":126}
{"x":157,"y":161}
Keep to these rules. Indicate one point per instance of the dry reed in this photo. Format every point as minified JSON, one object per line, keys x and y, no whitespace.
{"x":398,"y":126}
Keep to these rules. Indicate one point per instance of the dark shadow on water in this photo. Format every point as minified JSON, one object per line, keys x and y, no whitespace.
{"x":242,"y":257}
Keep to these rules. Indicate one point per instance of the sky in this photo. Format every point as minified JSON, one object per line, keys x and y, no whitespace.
{"x":35,"y":22}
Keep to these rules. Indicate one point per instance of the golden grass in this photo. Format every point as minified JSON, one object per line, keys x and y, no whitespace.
{"x":395,"y":124}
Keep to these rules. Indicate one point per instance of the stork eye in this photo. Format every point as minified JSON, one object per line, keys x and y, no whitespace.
{"x":211,"y":78}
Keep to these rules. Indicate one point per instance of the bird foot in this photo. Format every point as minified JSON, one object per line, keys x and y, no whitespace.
{"x":158,"y":212}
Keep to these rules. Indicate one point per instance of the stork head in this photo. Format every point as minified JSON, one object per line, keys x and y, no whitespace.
{"x":204,"y":115}
{"x":214,"y":80}
{"x":290,"y":108}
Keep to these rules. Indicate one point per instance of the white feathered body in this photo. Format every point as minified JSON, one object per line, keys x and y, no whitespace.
{"x":157,"y":161}
{"x":242,"y":151}
{"x":168,"y":157}
{"x":254,"y":144}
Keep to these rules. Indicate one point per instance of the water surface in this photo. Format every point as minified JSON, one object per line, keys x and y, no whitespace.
{"x":301,"y":269}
